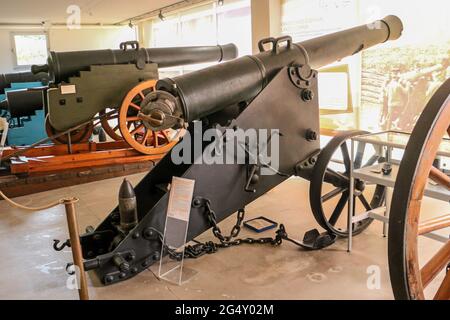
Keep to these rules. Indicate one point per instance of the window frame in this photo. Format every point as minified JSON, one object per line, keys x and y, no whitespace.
{"x":13,"y":34}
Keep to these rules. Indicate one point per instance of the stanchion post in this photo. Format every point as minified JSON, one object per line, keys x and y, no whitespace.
{"x":72,"y":223}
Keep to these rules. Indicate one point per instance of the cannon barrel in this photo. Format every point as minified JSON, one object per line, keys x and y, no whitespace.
{"x":8,"y":78}
{"x":201,"y":93}
{"x":23,"y":103}
{"x":63,"y":65}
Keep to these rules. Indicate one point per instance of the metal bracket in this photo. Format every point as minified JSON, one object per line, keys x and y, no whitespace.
{"x":301,"y":76}
{"x":307,"y":163}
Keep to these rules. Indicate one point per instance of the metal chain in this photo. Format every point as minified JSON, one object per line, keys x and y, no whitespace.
{"x":210,"y":247}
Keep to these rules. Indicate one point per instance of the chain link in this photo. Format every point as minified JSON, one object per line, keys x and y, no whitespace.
{"x":210,"y":247}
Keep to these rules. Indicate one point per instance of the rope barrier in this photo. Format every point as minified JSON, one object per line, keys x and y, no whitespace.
{"x":45,"y":207}
{"x":72,"y":224}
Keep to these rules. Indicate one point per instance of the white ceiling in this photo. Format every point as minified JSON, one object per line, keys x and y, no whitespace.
{"x":92,"y":11}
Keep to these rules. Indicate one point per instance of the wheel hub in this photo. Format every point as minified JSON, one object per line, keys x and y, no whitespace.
{"x":360,"y":185}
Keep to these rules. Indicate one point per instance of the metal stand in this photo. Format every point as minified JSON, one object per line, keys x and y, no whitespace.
{"x":368,"y":174}
{"x":175,"y":232}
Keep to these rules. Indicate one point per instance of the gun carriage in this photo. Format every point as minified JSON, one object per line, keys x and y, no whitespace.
{"x":276,"y":89}
{"x":109,"y":82}
{"x":273,"y":90}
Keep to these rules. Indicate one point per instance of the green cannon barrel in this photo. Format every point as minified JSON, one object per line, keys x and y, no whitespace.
{"x":198,"y":94}
{"x":63,"y":65}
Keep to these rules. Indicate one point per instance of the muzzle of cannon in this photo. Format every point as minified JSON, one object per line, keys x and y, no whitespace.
{"x":63,"y":65}
{"x":8,"y":78}
{"x":275,"y":94}
{"x":205,"y":92}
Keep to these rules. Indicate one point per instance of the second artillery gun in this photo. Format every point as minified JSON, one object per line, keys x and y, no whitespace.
{"x":110,"y":83}
{"x":276,"y":89}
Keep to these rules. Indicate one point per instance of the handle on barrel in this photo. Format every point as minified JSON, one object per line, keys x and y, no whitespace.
{"x":275,"y":43}
{"x":39,"y":69}
{"x":133,"y":44}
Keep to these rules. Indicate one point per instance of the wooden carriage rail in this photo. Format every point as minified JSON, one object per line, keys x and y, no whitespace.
{"x":50,"y":167}
{"x":55,"y":158}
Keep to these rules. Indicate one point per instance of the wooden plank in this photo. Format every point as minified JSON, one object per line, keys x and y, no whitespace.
{"x":36,"y":184}
{"x":54,"y":167}
{"x":88,"y":156}
{"x":61,"y":149}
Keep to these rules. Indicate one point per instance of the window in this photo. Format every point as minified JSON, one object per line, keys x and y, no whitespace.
{"x":205,"y":25}
{"x":30,"y":48}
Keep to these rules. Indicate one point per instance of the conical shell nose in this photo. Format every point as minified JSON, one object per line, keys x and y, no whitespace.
{"x":126,"y":190}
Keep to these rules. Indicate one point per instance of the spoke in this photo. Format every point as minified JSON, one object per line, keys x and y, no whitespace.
{"x":354,"y":206}
{"x":142,"y":95}
{"x":116,"y":128}
{"x":444,"y":290}
{"x":135,"y":106}
{"x":155,"y":139}
{"x":439,"y":177}
{"x":364,"y":202}
{"x":165,"y":136}
{"x":359,"y":154}
{"x":434,"y":224}
{"x":435,"y":265}
{"x":335,"y":178}
{"x":339,"y":208}
{"x":346,"y":156}
{"x":330,"y":195}
{"x":139,"y":128}
{"x":146,"y":136}
{"x":132,"y":119}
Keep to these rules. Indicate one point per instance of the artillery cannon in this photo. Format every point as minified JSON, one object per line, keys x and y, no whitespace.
{"x":8,"y":78}
{"x":274,"y":91}
{"x":23,"y":103}
{"x":87,"y":83}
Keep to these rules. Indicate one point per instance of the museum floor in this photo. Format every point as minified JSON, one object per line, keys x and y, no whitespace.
{"x":30,"y":269}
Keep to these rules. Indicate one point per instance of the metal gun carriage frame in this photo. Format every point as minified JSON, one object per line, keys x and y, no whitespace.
{"x":281,"y":93}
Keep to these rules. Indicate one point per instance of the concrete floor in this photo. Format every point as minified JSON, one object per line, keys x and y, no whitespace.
{"x":30,"y":269}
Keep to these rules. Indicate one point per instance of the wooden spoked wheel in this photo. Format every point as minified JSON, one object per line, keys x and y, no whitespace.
{"x":330,"y":185}
{"x":77,"y":136}
{"x":412,"y":276}
{"x":134,"y":130}
{"x":111,"y":124}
